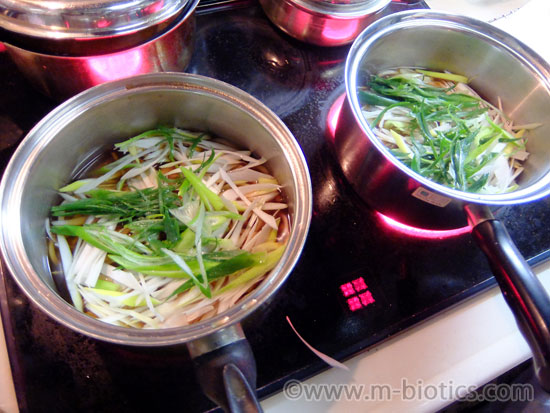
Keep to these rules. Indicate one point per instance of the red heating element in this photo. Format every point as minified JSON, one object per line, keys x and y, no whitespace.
{"x":356,"y":293}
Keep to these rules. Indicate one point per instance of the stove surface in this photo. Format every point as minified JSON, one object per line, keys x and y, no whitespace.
{"x":361,"y":277}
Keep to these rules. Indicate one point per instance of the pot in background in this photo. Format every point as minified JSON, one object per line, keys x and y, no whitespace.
{"x":321,"y":22}
{"x":71,"y":134}
{"x":499,"y":66}
{"x":85,"y":27}
{"x":102,"y":41}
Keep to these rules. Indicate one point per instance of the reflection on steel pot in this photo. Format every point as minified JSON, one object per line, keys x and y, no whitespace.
{"x":322,"y":22}
{"x":65,"y":139}
{"x":62,"y":62}
{"x":500,"y":67}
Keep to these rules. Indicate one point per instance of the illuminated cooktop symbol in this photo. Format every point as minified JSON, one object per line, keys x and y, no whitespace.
{"x":356,"y":294}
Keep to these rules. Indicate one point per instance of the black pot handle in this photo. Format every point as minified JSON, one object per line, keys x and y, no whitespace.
{"x":226,"y":369}
{"x":522,"y":290}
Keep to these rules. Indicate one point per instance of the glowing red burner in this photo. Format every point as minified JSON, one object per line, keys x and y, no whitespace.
{"x":421,"y":232}
{"x":359,"y":284}
{"x":366,"y":298}
{"x":357,"y":294}
{"x":347,"y":289}
{"x":354,"y":304}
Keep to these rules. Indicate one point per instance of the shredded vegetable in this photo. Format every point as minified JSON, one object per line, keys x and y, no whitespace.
{"x":327,"y":359}
{"x":177,"y":228}
{"x":439,"y":127}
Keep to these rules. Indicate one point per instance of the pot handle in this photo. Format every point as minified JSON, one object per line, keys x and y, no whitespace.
{"x":522,"y":290}
{"x":226,"y":369}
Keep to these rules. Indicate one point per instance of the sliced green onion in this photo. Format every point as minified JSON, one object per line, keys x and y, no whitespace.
{"x":445,"y":76}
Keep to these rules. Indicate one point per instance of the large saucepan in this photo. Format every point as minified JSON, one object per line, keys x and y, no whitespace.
{"x":109,"y":113}
{"x":64,"y":48}
{"x":499,"y":66}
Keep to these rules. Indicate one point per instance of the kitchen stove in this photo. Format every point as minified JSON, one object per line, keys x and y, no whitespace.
{"x":361,"y":279}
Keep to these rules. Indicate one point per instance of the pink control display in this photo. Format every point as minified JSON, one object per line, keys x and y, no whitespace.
{"x":356,"y":293}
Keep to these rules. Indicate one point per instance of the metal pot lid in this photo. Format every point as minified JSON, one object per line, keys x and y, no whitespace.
{"x":342,"y":8}
{"x":84,"y":19}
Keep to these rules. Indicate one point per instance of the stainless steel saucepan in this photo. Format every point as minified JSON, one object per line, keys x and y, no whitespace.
{"x":499,"y":66}
{"x":63,"y":48}
{"x":323,"y":22}
{"x":99,"y":117}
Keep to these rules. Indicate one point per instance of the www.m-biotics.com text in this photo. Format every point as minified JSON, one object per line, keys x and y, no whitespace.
{"x":296,"y":390}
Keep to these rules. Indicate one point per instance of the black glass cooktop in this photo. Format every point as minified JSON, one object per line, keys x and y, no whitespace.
{"x":361,"y":277}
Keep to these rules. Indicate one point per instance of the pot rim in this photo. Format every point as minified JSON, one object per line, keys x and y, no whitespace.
{"x":31,"y":17}
{"x":11,"y":242}
{"x":325,"y":9}
{"x":491,"y":34}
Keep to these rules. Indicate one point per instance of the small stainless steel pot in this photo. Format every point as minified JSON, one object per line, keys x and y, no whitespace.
{"x":95,"y":119}
{"x":61,"y":64}
{"x":499,"y":66}
{"x":321,"y":22}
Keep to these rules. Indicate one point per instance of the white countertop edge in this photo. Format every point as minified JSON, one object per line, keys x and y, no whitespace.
{"x":469,"y":345}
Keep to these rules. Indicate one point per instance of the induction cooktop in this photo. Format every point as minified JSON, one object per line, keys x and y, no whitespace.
{"x":361,"y":278}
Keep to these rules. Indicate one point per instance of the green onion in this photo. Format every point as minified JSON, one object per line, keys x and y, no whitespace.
{"x":374,"y":99}
{"x":205,"y":194}
{"x":447,"y":76}
{"x":271,"y":260}
{"x":401,"y":143}
{"x":227,"y":267}
{"x":441,"y":133}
